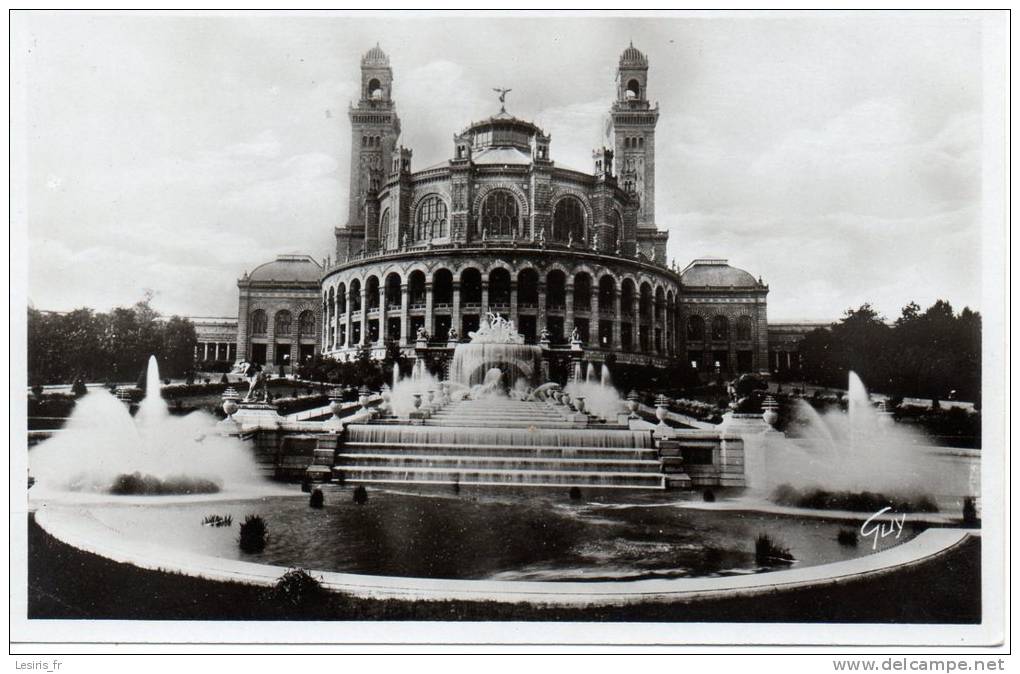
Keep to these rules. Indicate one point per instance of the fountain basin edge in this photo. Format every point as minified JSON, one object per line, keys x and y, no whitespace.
{"x":76,"y":527}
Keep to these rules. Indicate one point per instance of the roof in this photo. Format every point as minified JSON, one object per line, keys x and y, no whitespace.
{"x":288,"y":268}
{"x":375,"y":56}
{"x":716,"y":272}
{"x":501,"y":155}
{"x":631,"y":56}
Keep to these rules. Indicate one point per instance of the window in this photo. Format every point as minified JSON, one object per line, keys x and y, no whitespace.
{"x":384,"y":229}
{"x":259,"y":323}
{"x":306,"y":324}
{"x":500,"y":214}
{"x":720,"y":328}
{"x":431,"y":220}
{"x":282,"y":323}
{"x":744,"y":328}
{"x":568,"y":221}
{"x":695,"y":328}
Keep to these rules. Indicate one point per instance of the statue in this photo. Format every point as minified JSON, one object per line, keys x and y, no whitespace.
{"x":502,"y":97}
{"x":256,"y":378}
{"x":595,"y":241}
{"x":422,"y":334}
{"x":403,"y":241}
{"x":452,"y":335}
{"x":496,"y":330}
{"x":544,"y":335}
{"x":570,"y":240}
{"x":485,"y":234}
{"x":575,"y":335}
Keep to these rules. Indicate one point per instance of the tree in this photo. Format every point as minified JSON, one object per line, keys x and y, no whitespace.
{"x":178,"y":346}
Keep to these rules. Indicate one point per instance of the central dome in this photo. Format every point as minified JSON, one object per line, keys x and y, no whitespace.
{"x":503,"y":131}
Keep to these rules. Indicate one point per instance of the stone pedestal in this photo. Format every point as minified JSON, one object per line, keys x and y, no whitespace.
{"x":252,"y":415}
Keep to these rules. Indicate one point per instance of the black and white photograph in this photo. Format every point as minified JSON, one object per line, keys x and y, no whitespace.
{"x":508,"y":328}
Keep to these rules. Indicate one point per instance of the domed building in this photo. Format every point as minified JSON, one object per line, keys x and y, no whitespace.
{"x":278,"y":311}
{"x":574,"y":259}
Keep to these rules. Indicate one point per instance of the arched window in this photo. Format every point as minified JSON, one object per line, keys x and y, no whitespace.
{"x":259,"y":322}
{"x":633,"y":89}
{"x":744,"y":328}
{"x":282,"y":322}
{"x":568,"y":221}
{"x":306,"y":323}
{"x":720,"y":328}
{"x":384,"y":229}
{"x":500,"y":214}
{"x":374,"y":89}
{"x":695,"y":328}
{"x":431,"y":220}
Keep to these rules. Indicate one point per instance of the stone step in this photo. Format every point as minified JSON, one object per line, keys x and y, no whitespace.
{"x":559,"y":478}
{"x":401,"y":448}
{"x":470,"y":462}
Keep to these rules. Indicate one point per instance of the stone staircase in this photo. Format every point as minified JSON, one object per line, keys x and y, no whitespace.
{"x":500,"y":443}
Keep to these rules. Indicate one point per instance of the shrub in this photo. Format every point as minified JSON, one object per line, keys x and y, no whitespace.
{"x":137,"y":484}
{"x":847,"y":537}
{"x":864,"y":501}
{"x":223,"y":379}
{"x":970,"y":517}
{"x":708,"y":496}
{"x":78,"y":388}
{"x":253,"y":534}
{"x":360,"y":495}
{"x":218,"y":520}
{"x":575,"y":493}
{"x":37,"y":390}
{"x":768,"y":551}
{"x":316,"y":500}
{"x":298,"y":587}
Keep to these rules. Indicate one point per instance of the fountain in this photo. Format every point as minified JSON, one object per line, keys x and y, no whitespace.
{"x":496,"y":344}
{"x":861,"y":449}
{"x":102,"y":442}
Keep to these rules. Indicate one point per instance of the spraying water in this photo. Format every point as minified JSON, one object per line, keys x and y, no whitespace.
{"x":101,"y":441}
{"x":863,"y":449}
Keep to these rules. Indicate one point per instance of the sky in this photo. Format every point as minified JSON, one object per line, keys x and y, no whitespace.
{"x":837,"y":156}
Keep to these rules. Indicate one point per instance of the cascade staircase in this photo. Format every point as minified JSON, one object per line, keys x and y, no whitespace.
{"x":500,"y":442}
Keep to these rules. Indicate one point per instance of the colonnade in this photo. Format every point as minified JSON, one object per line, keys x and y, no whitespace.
{"x":627,"y":315}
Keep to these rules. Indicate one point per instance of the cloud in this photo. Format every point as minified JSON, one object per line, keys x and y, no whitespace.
{"x":839,"y":159}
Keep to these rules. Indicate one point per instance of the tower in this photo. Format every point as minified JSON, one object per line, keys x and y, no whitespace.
{"x":632,"y":124}
{"x":374,"y":131}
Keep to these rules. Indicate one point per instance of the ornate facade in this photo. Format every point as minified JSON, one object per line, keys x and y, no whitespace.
{"x":574,"y":259}
{"x":278,"y":311}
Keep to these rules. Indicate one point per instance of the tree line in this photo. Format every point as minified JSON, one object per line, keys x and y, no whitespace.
{"x":930,"y":353}
{"x":113,"y":346}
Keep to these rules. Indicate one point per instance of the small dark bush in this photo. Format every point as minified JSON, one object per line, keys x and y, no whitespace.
{"x":847,"y":537}
{"x":769,"y":552}
{"x":316,"y":500}
{"x":297,"y":587}
{"x":218,"y":520}
{"x":37,"y":390}
{"x":137,"y":484}
{"x":864,"y":501}
{"x":253,"y":534}
{"x":456,"y":485}
{"x":360,"y":495}
{"x":78,"y":388}
{"x":708,"y":496}
{"x":575,"y":493}
{"x":970,"y":517}
{"x":223,"y":379}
